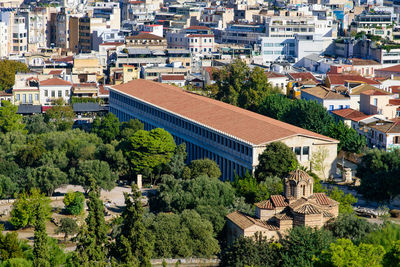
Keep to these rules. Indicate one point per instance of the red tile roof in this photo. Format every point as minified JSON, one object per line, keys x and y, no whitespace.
{"x":112,"y":43}
{"x":279,"y":201}
{"x":103,"y":90}
{"x":394,"y":102}
{"x":340,"y":79}
{"x":200,"y":35}
{"x":64,"y":59}
{"x":361,"y":62}
{"x":173,"y":77}
{"x":198,"y":28}
{"x":375,"y":92}
{"x":265,"y":204}
{"x":271,"y":74}
{"x":350,"y":114}
{"x":395,"y":68}
{"x":395,"y":89}
{"x":245,"y":125}
{"x":55,"y":72}
{"x":302,"y":76}
{"x":322,"y":199}
{"x":145,"y":35}
{"x":54,"y":81}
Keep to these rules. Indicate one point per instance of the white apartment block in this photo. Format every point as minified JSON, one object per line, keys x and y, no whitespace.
{"x":36,"y":23}
{"x":195,"y":43}
{"x":19,"y":36}
{"x":4,"y":35}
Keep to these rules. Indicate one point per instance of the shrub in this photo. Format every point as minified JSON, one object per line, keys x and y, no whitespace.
{"x":74,"y":202}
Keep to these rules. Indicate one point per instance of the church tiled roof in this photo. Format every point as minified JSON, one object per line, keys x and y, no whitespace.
{"x":265,"y":204}
{"x":299,"y":175}
{"x":279,"y":201}
{"x":245,"y":221}
{"x":308,"y":209}
{"x":321,"y":199}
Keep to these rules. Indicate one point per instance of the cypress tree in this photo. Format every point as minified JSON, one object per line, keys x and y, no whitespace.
{"x":91,"y":249}
{"x":132,"y":245}
{"x":41,"y":255}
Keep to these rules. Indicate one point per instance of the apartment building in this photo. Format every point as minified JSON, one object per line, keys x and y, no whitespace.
{"x":231,"y":136}
{"x":241,"y":33}
{"x":36,"y":24}
{"x":196,"y":39}
{"x":19,"y":35}
{"x":52,"y":89}
{"x":376,"y":23}
{"x":4,"y":39}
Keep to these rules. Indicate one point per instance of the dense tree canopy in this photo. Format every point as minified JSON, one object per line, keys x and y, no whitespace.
{"x":379,"y":172}
{"x":277,"y":160}
{"x":254,"y":191}
{"x":107,"y":127}
{"x":8,"y":69}
{"x":60,"y":115}
{"x":182,"y":235}
{"x":9,"y":119}
{"x":202,"y":167}
{"x":350,"y":227}
{"x":247,"y":251}
{"x":96,"y":170}
{"x":24,"y":211}
{"x":148,"y":149}
{"x":211,"y":198}
{"x":241,"y":86}
{"x":312,"y":116}
{"x":345,"y":253}
{"x":303,"y":244}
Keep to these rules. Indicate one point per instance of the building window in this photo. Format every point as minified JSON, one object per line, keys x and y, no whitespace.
{"x":53,"y":93}
{"x":396,"y":140}
{"x":375,"y":101}
{"x":24,"y":98}
{"x":18,"y":97}
{"x":30,"y":98}
{"x":36,"y":97}
{"x":59,"y":93}
{"x":331,"y":107}
{"x":297,"y":150}
{"x":306,"y":151}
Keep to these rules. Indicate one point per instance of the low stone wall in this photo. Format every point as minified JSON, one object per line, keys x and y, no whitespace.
{"x":186,"y":262}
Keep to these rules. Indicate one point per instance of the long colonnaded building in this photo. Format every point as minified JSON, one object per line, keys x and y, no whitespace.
{"x":231,"y":136}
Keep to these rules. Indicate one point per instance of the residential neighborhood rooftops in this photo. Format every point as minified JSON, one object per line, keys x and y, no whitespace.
{"x":324,"y":93}
{"x":341,"y":79}
{"x":361,"y":88}
{"x":217,"y":115}
{"x":167,"y":77}
{"x":395,"y":68}
{"x":375,"y":92}
{"x":301,"y":76}
{"x":360,"y":62}
{"x":350,"y":114}
{"x":386,"y":127}
{"x":271,"y":74}
{"x":54,"y":82}
{"x":144,"y":35}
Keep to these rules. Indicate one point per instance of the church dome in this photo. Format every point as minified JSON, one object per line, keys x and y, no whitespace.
{"x":298,"y":176}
